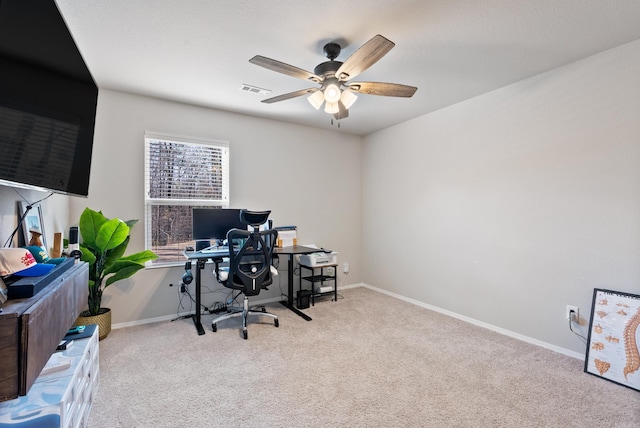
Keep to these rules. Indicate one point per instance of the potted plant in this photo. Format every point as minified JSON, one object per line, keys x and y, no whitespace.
{"x":104,"y":242}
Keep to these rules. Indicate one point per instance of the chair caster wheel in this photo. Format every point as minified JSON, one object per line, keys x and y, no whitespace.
{"x":245,"y":334}
{"x":276,"y":323}
{"x":214,"y":327}
{"x":264,"y":309}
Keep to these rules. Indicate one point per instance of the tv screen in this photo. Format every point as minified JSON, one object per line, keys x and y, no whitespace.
{"x":47,"y":101}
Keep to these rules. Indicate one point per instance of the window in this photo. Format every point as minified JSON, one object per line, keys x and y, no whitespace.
{"x":180,"y":174}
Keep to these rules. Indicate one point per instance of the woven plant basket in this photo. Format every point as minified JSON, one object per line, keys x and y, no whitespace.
{"x":103,"y":319}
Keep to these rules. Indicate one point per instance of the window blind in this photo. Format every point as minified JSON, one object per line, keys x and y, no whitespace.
{"x":181,"y":173}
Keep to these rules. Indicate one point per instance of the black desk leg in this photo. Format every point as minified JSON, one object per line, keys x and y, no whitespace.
{"x":196,"y":319}
{"x":289,"y":302}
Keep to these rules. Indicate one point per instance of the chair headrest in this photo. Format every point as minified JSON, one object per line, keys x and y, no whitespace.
{"x":254,"y":218}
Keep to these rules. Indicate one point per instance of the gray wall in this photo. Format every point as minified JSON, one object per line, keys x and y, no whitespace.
{"x":55,"y":210}
{"x":509,"y":206}
{"x":502,"y":209}
{"x":307,"y":177}
{"x":273,"y":165}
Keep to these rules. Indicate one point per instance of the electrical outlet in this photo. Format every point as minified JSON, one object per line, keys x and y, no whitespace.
{"x":576,"y":312}
{"x":330,"y":270}
{"x":345,"y":268}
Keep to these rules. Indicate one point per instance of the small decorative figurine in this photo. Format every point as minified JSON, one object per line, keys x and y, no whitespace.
{"x":35,"y":238}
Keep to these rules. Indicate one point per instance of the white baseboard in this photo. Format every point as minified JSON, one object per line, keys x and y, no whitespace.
{"x":147,"y":321}
{"x":491,"y":327}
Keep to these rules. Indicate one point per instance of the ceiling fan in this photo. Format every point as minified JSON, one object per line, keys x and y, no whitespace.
{"x":336,"y":90}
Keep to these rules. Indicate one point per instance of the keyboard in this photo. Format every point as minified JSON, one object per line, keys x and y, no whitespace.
{"x":213,"y":249}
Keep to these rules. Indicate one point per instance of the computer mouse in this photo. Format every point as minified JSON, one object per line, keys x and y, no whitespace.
{"x":189,"y":249}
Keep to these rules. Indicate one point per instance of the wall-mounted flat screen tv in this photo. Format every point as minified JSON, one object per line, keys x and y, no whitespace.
{"x":48,"y":101}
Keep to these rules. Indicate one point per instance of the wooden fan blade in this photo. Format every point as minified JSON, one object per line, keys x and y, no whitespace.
{"x":281,"y":67}
{"x":363,"y":58}
{"x":290,"y":95}
{"x":342,"y":113}
{"x":381,"y":88}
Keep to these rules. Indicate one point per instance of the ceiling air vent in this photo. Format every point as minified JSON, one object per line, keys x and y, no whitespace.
{"x":254,"y":89}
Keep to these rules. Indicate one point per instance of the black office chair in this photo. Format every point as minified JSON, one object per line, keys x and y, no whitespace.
{"x":249,"y":269}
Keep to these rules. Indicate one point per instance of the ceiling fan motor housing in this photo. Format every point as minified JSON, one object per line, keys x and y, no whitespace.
{"x":327,"y":69}
{"x":332,"y":50}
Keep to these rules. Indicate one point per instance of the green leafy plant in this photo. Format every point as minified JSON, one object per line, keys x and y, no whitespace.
{"x":104,"y":242}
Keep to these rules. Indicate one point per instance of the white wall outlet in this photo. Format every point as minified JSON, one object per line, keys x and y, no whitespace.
{"x":330,"y":270}
{"x":345,"y":268}
{"x":576,"y":312}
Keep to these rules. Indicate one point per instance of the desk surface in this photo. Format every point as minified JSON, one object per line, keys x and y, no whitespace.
{"x":224,"y":252}
{"x":294,"y":249}
{"x":192,"y":255}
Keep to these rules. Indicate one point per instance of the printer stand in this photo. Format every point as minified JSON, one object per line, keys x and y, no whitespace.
{"x":322,"y":284}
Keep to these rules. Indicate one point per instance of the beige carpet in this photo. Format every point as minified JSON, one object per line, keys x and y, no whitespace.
{"x":368,"y":360}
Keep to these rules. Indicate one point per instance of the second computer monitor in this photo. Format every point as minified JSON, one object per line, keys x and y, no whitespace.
{"x":212,"y":224}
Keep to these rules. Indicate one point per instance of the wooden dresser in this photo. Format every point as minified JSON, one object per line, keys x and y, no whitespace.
{"x":31,"y":328}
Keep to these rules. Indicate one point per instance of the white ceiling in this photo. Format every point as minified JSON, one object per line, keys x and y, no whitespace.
{"x":198,"y":51}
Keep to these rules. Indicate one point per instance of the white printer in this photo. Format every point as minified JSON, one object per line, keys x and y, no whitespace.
{"x":319,"y":259}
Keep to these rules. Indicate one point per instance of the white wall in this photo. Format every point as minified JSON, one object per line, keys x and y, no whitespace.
{"x":509,"y":206}
{"x":55,"y":210}
{"x":307,"y":177}
{"x":503,"y":208}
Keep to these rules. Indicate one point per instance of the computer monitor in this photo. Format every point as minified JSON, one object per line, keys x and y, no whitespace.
{"x":212,"y":224}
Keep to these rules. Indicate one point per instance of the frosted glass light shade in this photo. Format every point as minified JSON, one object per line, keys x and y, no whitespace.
{"x":331,"y":108}
{"x":316,"y":99}
{"x":348,"y":98}
{"x":332,"y":93}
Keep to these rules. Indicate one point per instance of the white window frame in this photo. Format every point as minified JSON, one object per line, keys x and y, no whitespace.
{"x":151,"y":202}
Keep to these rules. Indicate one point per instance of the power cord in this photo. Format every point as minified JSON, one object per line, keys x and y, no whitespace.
{"x":182,"y":292}
{"x":218,"y":307}
{"x":185,"y":292}
{"x":23,"y":216}
{"x":571,"y":314}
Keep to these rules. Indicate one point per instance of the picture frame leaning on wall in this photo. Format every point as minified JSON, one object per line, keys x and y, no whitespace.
{"x":33,"y":225}
{"x":613,"y":350}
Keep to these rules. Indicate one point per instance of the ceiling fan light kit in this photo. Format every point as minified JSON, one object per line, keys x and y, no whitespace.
{"x":348,"y":98}
{"x":331,"y":108}
{"x":332,"y":93}
{"x":316,"y":99}
{"x":335,"y":91}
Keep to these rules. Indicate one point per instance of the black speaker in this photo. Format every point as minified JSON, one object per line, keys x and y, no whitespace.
{"x":73,"y":235}
{"x":304,"y":299}
{"x":74,"y":247}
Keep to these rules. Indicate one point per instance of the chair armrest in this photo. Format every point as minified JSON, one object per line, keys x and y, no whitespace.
{"x":221,"y":273}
